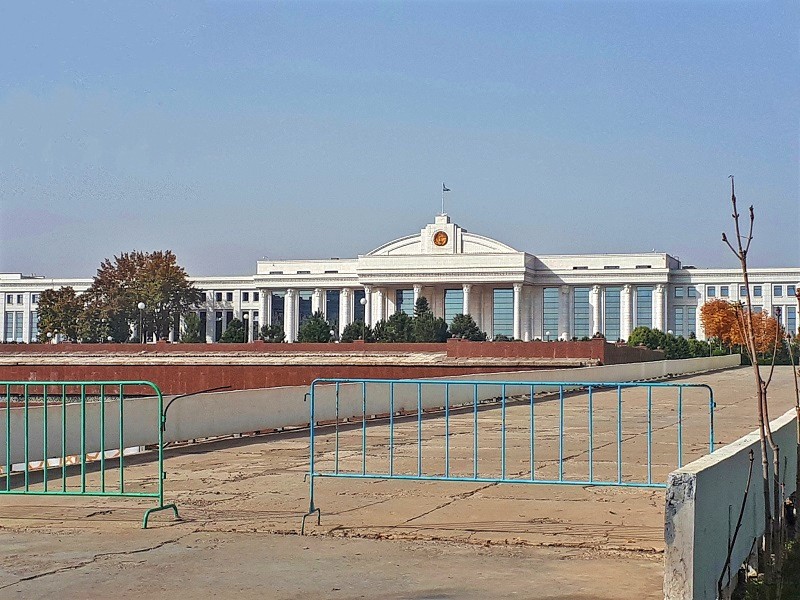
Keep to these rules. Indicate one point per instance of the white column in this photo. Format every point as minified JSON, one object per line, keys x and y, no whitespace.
{"x":380,"y":304}
{"x":564,"y":306}
{"x":211,"y":325}
{"x":417,"y":292}
{"x":467,"y":288}
{"x":263,"y":309}
{"x":26,"y":317}
{"x":595,"y":302}
{"x":659,"y":307}
{"x":517,"y":311}
{"x":625,"y":317}
{"x":316,"y":300}
{"x":368,"y":305}
{"x":766,"y":299}
{"x":700,"y":331}
{"x":345,"y":297}
{"x":289,"y":315}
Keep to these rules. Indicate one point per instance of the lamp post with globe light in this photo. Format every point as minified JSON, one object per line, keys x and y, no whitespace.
{"x":363,"y":303}
{"x":141,"y":307}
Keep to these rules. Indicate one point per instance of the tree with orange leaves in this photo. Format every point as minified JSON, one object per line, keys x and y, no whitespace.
{"x":720,"y":321}
{"x":726,"y":322}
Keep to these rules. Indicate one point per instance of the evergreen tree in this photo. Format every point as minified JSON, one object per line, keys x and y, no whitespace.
{"x":273,"y":334}
{"x":428,"y":328}
{"x":315,"y":329}
{"x":465,"y":327}
{"x":190,"y":334}
{"x":234,"y":333}
{"x":356,"y":331}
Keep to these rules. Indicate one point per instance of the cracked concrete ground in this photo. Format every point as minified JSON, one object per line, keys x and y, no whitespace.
{"x":241,"y":503}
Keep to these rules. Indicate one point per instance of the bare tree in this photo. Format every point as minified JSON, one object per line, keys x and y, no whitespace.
{"x":773,"y":506}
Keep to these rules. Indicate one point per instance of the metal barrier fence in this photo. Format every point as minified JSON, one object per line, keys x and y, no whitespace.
{"x":530,"y":432}
{"x":52,"y":428}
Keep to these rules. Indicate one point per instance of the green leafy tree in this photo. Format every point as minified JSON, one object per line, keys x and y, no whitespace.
{"x":465,"y":327}
{"x":273,"y":334}
{"x":427,"y":327}
{"x":234,"y":333}
{"x":357,"y":331}
{"x":315,"y":329}
{"x":153,"y":278}
{"x":190,"y":334}
{"x":59,"y":312}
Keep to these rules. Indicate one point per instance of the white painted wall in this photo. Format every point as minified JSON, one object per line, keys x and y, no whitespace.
{"x":225,"y":413}
{"x":703,"y":503}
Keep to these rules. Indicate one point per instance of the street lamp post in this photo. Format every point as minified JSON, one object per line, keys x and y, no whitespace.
{"x":547,"y":335}
{"x":363,"y":303}
{"x":141,"y":307}
{"x":332,"y":333}
{"x":246,"y":324}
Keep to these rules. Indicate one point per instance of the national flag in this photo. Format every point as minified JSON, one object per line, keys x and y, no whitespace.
{"x":445,"y":188}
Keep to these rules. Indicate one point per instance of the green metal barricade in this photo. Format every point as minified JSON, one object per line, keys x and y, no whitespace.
{"x":72,"y":438}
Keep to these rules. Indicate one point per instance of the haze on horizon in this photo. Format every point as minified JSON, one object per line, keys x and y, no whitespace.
{"x":231,"y":131}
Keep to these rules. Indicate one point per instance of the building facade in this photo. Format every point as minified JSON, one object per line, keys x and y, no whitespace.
{"x":507,"y":292}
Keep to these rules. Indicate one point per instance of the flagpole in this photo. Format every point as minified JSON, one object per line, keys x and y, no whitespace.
{"x":442,"y":198}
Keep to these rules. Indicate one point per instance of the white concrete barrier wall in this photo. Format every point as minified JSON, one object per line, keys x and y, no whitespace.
{"x":702,"y":506}
{"x":225,"y":413}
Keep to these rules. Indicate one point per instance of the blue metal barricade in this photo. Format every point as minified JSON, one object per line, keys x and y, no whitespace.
{"x":502,"y":431}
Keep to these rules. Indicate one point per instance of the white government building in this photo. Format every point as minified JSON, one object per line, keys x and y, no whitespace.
{"x":506,"y":291}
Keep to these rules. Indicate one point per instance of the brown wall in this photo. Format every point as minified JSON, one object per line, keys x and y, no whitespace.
{"x":178,"y":379}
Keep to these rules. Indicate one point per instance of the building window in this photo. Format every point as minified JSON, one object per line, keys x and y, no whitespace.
{"x":612,"y":313}
{"x":332,"y":308}
{"x":611,"y":267}
{"x":758,"y":309}
{"x":742,"y":291}
{"x":304,"y":272}
{"x":691,"y":292}
{"x":203,"y":325}
{"x":503,"y":312}
{"x":724,"y":291}
{"x":644,"y":306}
{"x":228,"y":318}
{"x":790,"y":290}
{"x":791,"y":320}
{"x":550,"y":314}
{"x":581,"y":268}
{"x":304,"y":305}
{"x":218,"y":296}
{"x":35,"y":298}
{"x":711,"y":291}
{"x":217,"y":325}
{"x":245,"y":296}
{"x":14,"y":326}
{"x":229,"y":296}
{"x":644,"y":266}
{"x":9,"y":298}
{"x":34,"y":326}
{"x":757,"y":291}
{"x":256,"y":326}
{"x":678,"y":314}
{"x":19,"y":298}
{"x":255,"y":296}
{"x":453,"y":304}
{"x":278,"y":301}
{"x":404,"y":301}
{"x":276,"y":272}
{"x":777,"y":291}
{"x":679,"y":292}
{"x":358,"y":308}
{"x":581,"y":312}
{"x":691,"y":321}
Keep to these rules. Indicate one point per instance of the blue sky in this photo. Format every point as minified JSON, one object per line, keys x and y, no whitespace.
{"x":229,"y":131}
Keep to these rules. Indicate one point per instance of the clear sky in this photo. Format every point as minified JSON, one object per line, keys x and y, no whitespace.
{"x":230,"y":131}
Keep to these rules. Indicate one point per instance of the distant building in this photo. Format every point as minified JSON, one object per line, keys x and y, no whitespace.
{"x":507,"y":292}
